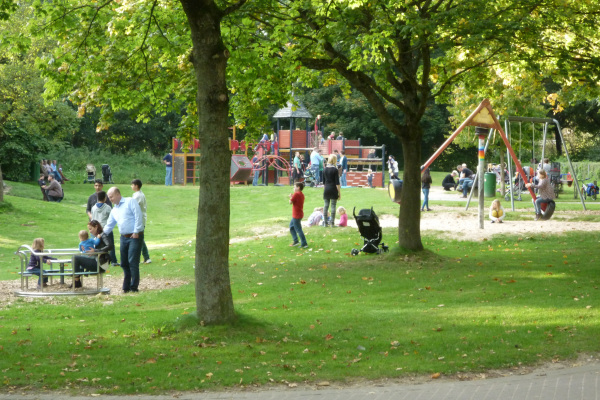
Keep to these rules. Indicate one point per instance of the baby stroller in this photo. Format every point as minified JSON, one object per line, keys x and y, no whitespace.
{"x":309,"y":178}
{"x":90,"y":169}
{"x":106,"y":174}
{"x":369,"y":228}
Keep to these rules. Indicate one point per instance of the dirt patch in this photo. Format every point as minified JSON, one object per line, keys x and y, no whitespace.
{"x":114,"y":283}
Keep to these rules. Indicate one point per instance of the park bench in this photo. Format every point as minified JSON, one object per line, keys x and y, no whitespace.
{"x":57,"y":269}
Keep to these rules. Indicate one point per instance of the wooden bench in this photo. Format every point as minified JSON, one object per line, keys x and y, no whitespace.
{"x":62,"y":257}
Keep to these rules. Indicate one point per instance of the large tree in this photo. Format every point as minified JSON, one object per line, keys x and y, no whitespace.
{"x":402,"y":54}
{"x":157,"y":56}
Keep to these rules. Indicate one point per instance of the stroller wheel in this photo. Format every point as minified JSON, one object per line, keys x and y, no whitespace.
{"x":354,"y":252}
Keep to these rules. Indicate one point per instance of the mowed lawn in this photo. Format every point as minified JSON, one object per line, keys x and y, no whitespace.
{"x":303,"y":315}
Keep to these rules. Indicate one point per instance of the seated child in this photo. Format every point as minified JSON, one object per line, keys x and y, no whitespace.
{"x":496,"y":212}
{"x":35,"y":262}
{"x":316,"y":217}
{"x":343,"y":216}
{"x":86,"y":243}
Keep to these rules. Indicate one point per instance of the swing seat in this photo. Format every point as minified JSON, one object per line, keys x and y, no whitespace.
{"x":547,"y":210}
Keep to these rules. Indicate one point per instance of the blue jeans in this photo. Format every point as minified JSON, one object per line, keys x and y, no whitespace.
{"x":315,"y":170}
{"x":296,"y":231}
{"x":130,"y":262}
{"x":169,"y":177}
{"x":255,"y":180}
{"x":466,"y":185}
{"x":343,"y":180}
{"x":538,"y":204}
{"x":425,"y":199}
{"x":113,"y":253}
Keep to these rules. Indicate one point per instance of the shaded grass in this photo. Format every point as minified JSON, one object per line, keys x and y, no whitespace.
{"x":302,"y":315}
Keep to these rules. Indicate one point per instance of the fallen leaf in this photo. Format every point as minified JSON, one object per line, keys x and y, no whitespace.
{"x":436,"y":375}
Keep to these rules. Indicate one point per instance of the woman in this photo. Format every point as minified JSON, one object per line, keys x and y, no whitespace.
{"x":546,"y":192}
{"x":90,"y":263}
{"x":331,"y":190}
{"x":425,"y":186}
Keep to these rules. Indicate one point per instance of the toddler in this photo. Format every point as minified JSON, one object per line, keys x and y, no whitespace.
{"x":316,"y":217}
{"x":85,"y":243}
{"x":370,"y":178}
{"x":343,"y":216}
{"x":496,"y":212}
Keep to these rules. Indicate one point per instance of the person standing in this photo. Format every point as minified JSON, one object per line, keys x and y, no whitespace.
{"x":136,"y":186}
{"x":344,"y":163}
{"x":331,"y":190}
{"x":425,"y":186}
{"x":255,"y":166}
{"x":127,"y":214}
{"x":393,"y":167}
{"x":168,"y":161}
{"x":94,"y":200}
{"x":297,"y":168}
{"x":297,"y":202}
{"x":315,"y":160}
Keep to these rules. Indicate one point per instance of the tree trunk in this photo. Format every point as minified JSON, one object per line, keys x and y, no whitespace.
{"x":214,"y":300}
{"x":409,"y":222}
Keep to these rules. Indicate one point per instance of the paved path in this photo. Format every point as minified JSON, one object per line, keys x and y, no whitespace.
{"x":577,"y":383}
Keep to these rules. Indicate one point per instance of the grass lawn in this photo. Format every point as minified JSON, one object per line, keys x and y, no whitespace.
{"x":304,"y":315}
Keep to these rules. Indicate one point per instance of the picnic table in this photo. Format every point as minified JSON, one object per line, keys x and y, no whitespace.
{"x":62,"y":258}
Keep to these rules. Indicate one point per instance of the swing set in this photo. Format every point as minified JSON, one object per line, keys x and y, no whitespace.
{"x":483,"y":117}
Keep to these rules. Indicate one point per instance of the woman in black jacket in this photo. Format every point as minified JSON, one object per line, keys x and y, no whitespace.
{"x":331,"y":190}
{"x":86,"y":262}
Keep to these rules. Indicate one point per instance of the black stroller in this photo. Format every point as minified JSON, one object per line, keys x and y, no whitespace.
{"x":106,"y":174}
{"x":369,"y":228}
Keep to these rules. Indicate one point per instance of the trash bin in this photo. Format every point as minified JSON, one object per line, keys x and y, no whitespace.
{"x":35,"y":171}
{"x":395,"y":190}
{"x":489,"y":184}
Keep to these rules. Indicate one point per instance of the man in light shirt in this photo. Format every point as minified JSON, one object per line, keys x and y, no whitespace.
{"x":136,"y":186}
{"x":127,"y":214}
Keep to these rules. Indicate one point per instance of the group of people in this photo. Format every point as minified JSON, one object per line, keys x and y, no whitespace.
{"x":106,"y":210}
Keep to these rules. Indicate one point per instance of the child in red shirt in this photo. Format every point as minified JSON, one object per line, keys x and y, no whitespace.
{"x":297,"y":202}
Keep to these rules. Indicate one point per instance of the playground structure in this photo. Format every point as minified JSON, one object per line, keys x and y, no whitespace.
{"x":484,"y":119}
{"x":275,"y":155}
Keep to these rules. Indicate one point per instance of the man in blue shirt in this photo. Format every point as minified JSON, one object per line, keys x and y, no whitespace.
{"x":127,"y":214}
{"x":315,"y":160}
{"x":344,"y":163}
{"x":168,"y":161}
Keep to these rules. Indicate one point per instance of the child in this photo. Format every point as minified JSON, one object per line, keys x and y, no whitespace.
{"x":297,"y":202}
{"x":35,"y":262}
{"x":85,"y":243}
{"x":42,"y":182}
{"x":343,"y":216}
{"x":100,"y":210}
{"x":370,"y":178}
{"x":496,"y":212}
{"x":316,"y":217}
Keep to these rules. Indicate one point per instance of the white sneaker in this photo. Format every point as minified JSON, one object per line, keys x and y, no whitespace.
{"x":148,"y":261}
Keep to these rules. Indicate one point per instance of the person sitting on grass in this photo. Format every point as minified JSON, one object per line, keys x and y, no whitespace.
{"x":35,"y":262}
{"x":343,"y":216}
{"x":496,"y":212}
{"x":88,"y":262}
{"x":316,"y":217}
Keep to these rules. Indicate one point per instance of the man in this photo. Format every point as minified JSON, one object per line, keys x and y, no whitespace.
{"x":340,"y":136}
{"x":53,"y":189}
{"x":344,"y":163}
{"x":128,"y":216}
{"x":92,"y":201}
{"x":315,"y":160}
{"x":465,"y":179}
{"x":136,"y":186}
{"x":168,"y":161}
